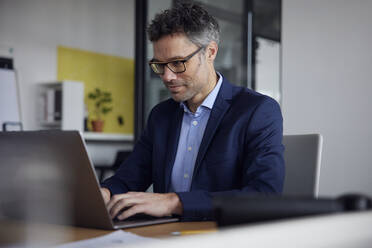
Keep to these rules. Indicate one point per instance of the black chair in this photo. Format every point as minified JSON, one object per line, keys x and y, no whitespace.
{"x":102,"y":170}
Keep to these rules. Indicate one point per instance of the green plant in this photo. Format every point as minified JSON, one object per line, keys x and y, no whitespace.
{"x":102,"y":100}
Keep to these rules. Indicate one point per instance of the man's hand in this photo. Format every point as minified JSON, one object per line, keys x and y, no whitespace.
{"x":106,"y":194}
{"x":148,"y":203}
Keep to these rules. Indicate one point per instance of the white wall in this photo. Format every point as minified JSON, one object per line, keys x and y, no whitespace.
{"x":327,"y":86}
{"x":35,"y":28}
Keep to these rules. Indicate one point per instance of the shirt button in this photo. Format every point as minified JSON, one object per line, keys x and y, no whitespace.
{"x":195,"y":123}
{"x":186,"y":175}
{"x":189,"y":148}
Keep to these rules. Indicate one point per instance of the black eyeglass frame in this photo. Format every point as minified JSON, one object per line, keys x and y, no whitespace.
{"x":152,"y":63}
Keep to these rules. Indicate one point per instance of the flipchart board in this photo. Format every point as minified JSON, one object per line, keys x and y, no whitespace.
{"x":9,"y":104}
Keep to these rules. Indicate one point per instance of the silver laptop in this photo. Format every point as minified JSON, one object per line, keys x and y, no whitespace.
{"x":48,"y":176}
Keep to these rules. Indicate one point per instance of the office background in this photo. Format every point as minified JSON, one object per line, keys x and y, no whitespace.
{"x":325,"y":69}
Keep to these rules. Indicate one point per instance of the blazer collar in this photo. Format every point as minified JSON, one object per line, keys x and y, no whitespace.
{"x":219,"y":110}
{"x":172,"y":145}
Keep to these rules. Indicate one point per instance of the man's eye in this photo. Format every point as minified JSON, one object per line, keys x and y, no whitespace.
{"x":176,"y":63}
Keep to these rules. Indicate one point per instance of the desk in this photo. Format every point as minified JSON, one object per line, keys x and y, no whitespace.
{"x":335,"y":230}
{"x":165,"y":230}
{"x":48,"y":234}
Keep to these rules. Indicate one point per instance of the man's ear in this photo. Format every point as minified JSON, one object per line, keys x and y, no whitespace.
{"x":211,"y":51}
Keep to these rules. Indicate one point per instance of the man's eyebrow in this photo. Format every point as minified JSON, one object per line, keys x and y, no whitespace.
{"x":168,"y":60}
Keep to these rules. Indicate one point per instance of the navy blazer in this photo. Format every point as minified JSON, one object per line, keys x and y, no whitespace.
{"x":241,"y":150}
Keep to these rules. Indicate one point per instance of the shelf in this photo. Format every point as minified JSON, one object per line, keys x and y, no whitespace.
{"x":92,"y":136}
{"x":61,"y":105}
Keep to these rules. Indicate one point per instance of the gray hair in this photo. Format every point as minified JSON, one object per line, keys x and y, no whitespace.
{"x":189,"y":18}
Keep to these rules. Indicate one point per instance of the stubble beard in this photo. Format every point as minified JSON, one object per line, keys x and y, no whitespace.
{"x":186,"y":95}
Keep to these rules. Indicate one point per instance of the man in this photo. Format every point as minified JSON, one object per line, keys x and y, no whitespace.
{"x":210,"y":138}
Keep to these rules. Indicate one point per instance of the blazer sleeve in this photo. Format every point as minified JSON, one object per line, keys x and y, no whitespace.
{"x":135,"y":174}
{"x":262,"y":166}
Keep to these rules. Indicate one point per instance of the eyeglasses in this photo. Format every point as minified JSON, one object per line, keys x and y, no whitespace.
{"x":176,"y":66}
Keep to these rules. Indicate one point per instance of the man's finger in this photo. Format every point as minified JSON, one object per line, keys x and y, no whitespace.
{"x":114,"y":199}
{"x":132,"y":211}
{"x":119,"y":207}
{"x":123,"y":204}
{"x":105,"y":194}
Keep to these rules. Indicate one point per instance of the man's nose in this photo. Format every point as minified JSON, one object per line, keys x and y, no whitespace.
{"x":168,"y":74}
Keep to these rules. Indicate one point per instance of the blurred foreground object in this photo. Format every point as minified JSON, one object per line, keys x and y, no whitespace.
{"x":241,"y":208}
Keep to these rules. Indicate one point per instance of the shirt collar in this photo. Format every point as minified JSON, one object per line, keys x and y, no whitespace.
{"x":210,"y":99}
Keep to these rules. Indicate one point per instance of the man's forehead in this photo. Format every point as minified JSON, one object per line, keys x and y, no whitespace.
{"x":172,"y":47}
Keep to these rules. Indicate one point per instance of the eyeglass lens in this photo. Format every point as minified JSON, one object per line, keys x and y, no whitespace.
{"x":174,"y":66}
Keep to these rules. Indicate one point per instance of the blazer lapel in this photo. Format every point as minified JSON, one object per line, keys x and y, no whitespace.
{"x":219,"y":109}
{"x":172,"y":146}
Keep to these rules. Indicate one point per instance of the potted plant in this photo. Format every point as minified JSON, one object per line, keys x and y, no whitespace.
{"x":102,"y":106}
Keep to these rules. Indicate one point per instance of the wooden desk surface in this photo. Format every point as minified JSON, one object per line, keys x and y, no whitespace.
{"x":48,"y":234}
{"x":165,"y":230}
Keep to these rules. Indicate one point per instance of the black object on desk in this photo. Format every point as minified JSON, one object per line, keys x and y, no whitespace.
{"x":12,"y":126}
{"x":242,"y":208}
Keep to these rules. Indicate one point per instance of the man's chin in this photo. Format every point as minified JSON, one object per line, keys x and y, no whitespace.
{"x":179,"y":97}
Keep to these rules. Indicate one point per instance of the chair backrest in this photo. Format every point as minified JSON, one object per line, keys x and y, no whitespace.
{"x":302,"y":160}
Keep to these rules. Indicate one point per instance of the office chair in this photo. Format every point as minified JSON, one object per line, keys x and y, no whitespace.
{"x":102,"y":170}
{"x":302,"y":164}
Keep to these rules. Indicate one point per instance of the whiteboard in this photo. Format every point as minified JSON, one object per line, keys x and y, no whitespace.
{"x":9,"y":108}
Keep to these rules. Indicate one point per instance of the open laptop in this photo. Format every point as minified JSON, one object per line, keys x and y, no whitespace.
{"x":47,"y":175}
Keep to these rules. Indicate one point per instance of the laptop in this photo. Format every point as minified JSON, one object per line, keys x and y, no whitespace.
{"x":48,"y":176}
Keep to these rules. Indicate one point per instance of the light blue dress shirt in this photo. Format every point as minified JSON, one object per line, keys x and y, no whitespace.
{"x":192,"y":131}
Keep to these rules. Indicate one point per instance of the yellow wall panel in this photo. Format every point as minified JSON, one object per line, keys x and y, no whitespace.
{"x":109,"y":73}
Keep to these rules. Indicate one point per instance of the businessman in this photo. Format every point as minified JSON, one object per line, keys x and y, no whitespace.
{"x":210,"y":138}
